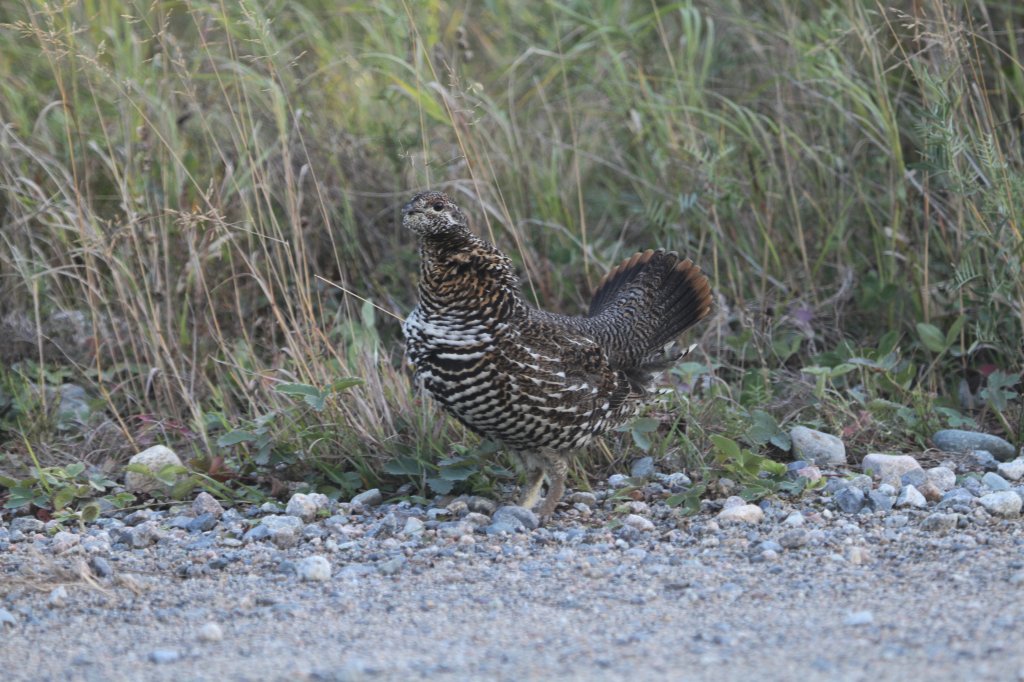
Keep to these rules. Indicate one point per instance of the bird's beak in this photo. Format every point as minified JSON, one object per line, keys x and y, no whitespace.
{"x":407,"y":209}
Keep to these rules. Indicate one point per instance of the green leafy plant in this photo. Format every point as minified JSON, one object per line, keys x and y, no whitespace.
{"x":66,"y":493}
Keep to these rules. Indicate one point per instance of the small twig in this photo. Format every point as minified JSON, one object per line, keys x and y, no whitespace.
{"x":365,"y":300}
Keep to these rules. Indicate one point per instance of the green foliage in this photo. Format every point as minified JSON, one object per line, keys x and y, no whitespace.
{"x":69,"y":493}
{"x":468,"y":470}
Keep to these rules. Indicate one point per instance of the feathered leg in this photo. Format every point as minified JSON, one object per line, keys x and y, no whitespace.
{"x":535,"y":477}
{"x":555,"y":468}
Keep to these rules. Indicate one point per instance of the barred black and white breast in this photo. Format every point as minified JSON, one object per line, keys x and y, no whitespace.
{"x":536,"y":381}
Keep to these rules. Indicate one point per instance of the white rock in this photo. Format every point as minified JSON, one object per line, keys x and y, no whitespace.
{"x":817,"y":447}
{"x":210,"y":632}
{"x":413,"y":526}
{"x":885,"y":466}
{"x":911,"y":497}
{"x":58,"y":597}
{"x":794,"y":519}
{"x":314,"y":568}
{"x":305,"y":506}
{"x":745,"y":513}
{"x":1012,"y":470}
{"x":638,"y":522}
{"x":154,"y":459}
{"x":1002,"y":503}
{"x":64,"y":541}
{"x":943,"y":478}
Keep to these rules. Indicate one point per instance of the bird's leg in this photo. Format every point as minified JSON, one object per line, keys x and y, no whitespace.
{"x":535,"y":478}
{"x":555,"y":468}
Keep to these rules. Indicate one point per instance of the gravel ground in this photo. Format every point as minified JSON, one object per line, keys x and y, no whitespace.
{"x":617,"y":585}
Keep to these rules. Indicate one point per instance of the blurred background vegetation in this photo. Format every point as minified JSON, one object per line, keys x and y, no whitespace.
{"x":188,"y":189}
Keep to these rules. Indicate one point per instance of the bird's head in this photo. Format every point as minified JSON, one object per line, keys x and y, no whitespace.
{"x":433,"y":214}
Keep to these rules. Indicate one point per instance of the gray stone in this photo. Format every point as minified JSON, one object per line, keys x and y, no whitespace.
{"x":863,"y":482}
{"x":618,"y":481}
{"x":100,"y":567}
{"x":1002,"y":503}
{"x":914,"y":477}
{"x":995,"y":482}
{"x":63,"y":541}
{"x":943,"y":478}
{"x":675,"y":481}
{"x":392,"y":566}
{"x":518,"y":518}
{"x":822,"y":449}
{"x":642,"y":468}
{"x":939,"y":522}
{"x":283,"y":531}
{"x":314,"y":569}
{"x":955,"y":440}
{"x":911,"y":497}
{"x":368,"y":498}
{"x":162,"y":656}
{"x":142,"y":535}
{"x":880,"y":501}
{"x":203,"y":522}
{"x":884,"y":466}
{"x":792,"y":539}
{"x":27,"y":525}
{"x":957,"y":497}
{"x":7,"y":618}
{"x":849,"y":499}
{"x":205,"y":503}
{"x":154,"y":459}
{"x":413,"y":526}
{"x":984,"y":459}
{"x":585,"y":498}
{"x":1012,"y":470}
{"x":58,"y":597}
{"x":638,"y":522}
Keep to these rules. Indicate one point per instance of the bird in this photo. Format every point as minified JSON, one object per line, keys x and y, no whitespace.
{"x":541,"y":384}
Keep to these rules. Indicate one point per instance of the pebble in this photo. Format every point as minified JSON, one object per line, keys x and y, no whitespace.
{"x":638,"y":522}
{"x":413,"y":526}
{"x":205,"y":503}
{"x":368,"y":498}
{"x":58,"y":597}
{"x":995,"y":482}
{"x":911,"y":497}
{"x":64,"y":541}
{"x":210,"y":632}
{"x":283,"y":531}
{"x":880,"y":501}
{"x":313,"y":569}
{"x":1002,"y":503}
{"x":849,"y":499}
{"x":795,"y":519}
{"x":515,"y":517}
{"x":1012,"y":470}
{"x":942,"y":478}
{"x":162,"y":656}
{"x":584,"y":498}
{"x":100,"y":567}
{"x":154,"y":459}
{"x":741,"y":513}
{"x":7,"y":618}
{"x":884,"y":466}
{"x":27,"y":525}
{"x":955,"y":440}
{"x":394,"y":565}
{"x":306,"y":507}
{"x":858,"y":618}
{"x":794,"y":538}
{"x":675,"y":481}
{"x":939,"y":522}
{"x":642,"y":468}
{"x":817,"y":447}
{"x":984,"y":459}
{"x":617,"y":481}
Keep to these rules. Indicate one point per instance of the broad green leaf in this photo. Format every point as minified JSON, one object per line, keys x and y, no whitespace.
{"x":63,"y":497}
{"x":235,"y":437}
{"x":726,"y":446}
{"x":932,"y":338}
{"x":403,"y":466}
{"x":297,"y":389}
{"x":90,"y":512}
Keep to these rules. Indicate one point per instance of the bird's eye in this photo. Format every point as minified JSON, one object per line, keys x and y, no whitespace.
{"x":438,"y":206}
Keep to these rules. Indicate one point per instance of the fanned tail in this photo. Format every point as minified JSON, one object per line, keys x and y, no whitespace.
{"x":644,"y":303}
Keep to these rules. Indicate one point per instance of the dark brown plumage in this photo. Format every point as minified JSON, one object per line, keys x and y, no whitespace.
{"x":539,"y":382}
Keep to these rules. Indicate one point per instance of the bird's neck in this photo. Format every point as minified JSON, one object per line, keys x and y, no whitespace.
{"x":460,"y":269}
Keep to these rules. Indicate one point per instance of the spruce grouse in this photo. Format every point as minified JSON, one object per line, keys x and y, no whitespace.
{"x":540,"y":383}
